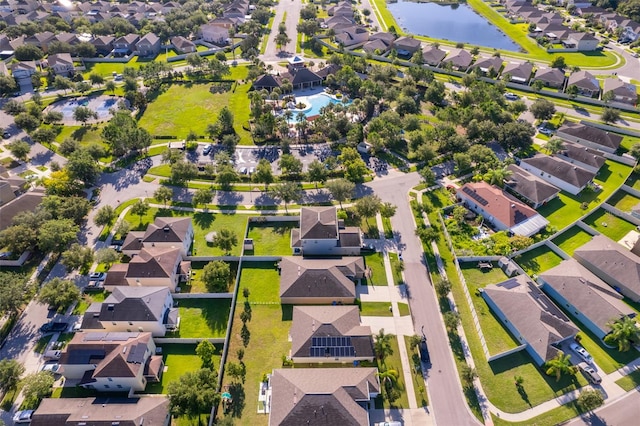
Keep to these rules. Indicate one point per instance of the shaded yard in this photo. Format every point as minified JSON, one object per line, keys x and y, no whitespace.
{"x":608,"y":224}
{"x":624,"y":201}
{"x":396,"y":268}
{"x":196,"y":285}
{"x":262,"y":280}
{"x":203,"y":318}
{"x":375,"y":262}
{"x":538,"y":260}
{"x":571,"y":239}
{"x":271,"y":238}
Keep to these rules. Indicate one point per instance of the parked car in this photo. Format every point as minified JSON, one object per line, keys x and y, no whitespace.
{"x":252,"y":170}
{"x":207,"y":149}
{"x":545,"y":131}
{"x":22,"y":416}
{"x":388,"y":424}
{"x":582,"y":352}
{"x":511,"y":96}
{"x":52,"y":355}
{"x":97,"y":276}
{"x":6,"y":135}
{"x":590,"y":373}
{"x":53,"y":368}
{"x":243,"y":170}
{"x":54,"y":327}
{"x":424,"y":351}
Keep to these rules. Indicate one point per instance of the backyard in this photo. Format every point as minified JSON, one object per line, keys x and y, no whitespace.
{"x":203,"y":318}
{"x":262,"y":280}
{"x":271,"y":238}
{"x":571,"y":239}
{"x":203,"y":223}
{"x":608,"y":224}
{"x":624,"y":201}
{"x":196,"y":285}
{"x":538,"y":260}
{"x":375,"y":263}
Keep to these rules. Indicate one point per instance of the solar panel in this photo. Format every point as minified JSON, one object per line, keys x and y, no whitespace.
{"x":473,"y":194}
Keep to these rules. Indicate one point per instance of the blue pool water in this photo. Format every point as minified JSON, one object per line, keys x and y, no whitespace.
{"x":314,"y":103}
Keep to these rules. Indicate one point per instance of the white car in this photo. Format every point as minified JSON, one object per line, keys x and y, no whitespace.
{"x":582,"y":352}
{"x":53,"y":368}
{"x":511,"y":96}
{"x":545,"y":131}
{"x":97,"y":276}
{"x":23,"y":416}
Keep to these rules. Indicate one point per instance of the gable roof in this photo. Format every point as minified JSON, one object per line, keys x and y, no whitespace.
{"x":131,"y":304}
{"x":567,"y":172}
{"x":532,"y":314}
{"x":102,"y":411}
{"x":592,"y":134}
{"x":303,"y":75}
{"x":408,"y":43}
{"x":582,"y":154}
{"x":620,"y":88}
{"x":589,"y":294}
{"x":300,"y":277}
{"x":318,"y":223}
{"x":377,"y":44}
{"x":459,"y":58}
{"x":582,"y":36}
{"x":551,"y":75}
{"x":520,"y":71}
{"x":301,"y":394}
{"x":25,"y":202}
{"x":613,"y":260}
{"x":584,"y":80}
{"x":433,"y":55}
{"x":59,"y":59}
{"x":529,"y":186}
{"x":133,"y":241}
{"x":167,"y":230}
{"x":150,"y":38}
{"x":266,"y":81}
{"x":329,"y":321}
{"x":153,"y":262}
{"x":488,"y":63}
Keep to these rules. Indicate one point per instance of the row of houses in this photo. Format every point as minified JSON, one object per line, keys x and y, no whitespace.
{"x":612,"y":22}
{"x":590,"y":287}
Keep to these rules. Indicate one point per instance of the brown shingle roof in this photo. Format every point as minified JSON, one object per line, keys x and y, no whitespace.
{"x":582,"y":154}
{"x":529,"y":186}
{"x":167,"y":230}
{"x":318,"y":223}
{"x":567,"y":172}
{"x":25,"y":202}
{"x":153,"y":262}
{"x":592,"y":134}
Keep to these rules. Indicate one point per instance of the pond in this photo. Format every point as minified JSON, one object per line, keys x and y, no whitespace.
{"x":458,"y":22}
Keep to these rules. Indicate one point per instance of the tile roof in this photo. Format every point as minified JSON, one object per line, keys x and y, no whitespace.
{"x":567,"y":172}
{"x":532,"y":314}
{"x":528,"y":185}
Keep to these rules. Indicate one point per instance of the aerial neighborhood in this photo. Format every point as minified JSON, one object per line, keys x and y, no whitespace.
{"x":287,"y":212}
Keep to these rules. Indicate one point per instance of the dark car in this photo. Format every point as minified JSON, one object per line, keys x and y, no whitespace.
{"x":424,"y":351}
{"x":207,"y":149}
{"x":54,"y":327}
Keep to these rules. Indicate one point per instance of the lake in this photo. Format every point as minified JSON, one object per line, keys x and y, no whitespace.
{"x":459,"y":23}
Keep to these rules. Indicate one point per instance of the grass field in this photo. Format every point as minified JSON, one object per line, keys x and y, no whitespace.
{"x":396,"y":268}
{"x":271,"y":238}
{"x":629,"y":382}
{"x":404,"y":309}
{"x":624,"y":201}
{"x":422,"y":399}
{"x":571,"y":239}
{"x":106,"y":69}
{"x":262,"y":280}
{"x":608,"y":224}
{"x":375,"y":262}
{"x":203,"y":318}
{"x":375,"y":309}
{"x":538,"y":260}
{"x":392,"y":362}
{"x":196,"y":285}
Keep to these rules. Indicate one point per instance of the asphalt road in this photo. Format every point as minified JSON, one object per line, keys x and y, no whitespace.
{"x":292,"y":9}
{"x":445,"y":391}
{"x":623,"y":412}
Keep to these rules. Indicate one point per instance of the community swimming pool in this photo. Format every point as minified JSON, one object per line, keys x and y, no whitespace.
{"x":314,"y":103}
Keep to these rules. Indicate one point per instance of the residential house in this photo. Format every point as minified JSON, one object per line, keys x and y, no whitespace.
{"x":26,"y":202}
{"x":586,"y":83}
{"x":590,"y":136}
{"x":157,"y":266}
{"x":582,"y":42}
{"x":69,"y":38}
{"x":530,"y":316}
{"x":612,"y":263}
{"x":585,"y":296}
{"x":149,"y":45}
{"x":182,"y":45}
{"x":237,"y":9}
{"x":489,"y":66}
{"x":558,"y":172}
{"x":582,"y":156}
{"x":315,"y":281}
{"x":6,"y":192}
{"x":300,"y":396}
{"x":125,"y":45}
{"x":103,"y":44}
{"x":518,"y":72}
{"x":459,"y":59}
{"x":322,"y":234}
{"x":165,"y":232}
{"x":500,"y":209}
{"x":302,"y":78}
{"x":376,"y":47}
{"x":386,"y":37}
{"x":329,"y":69}
{"x":134,"y":309}
{"x":61,"y":64}
{"x":406,"y":46}
{"x":352,"y":36}
{"x":213,"y":33}
{"x":41,"y":40}
{"x":535,"y":191}
{"x":343,"y":8}
{"x":24,"y":69}
{"x":111,"y":362}
{"x":551,"y":77}
{"x":329,"y":334}
{"x":101,"y":411}
{"x":622,"y":92}
{"x":433,"y":55}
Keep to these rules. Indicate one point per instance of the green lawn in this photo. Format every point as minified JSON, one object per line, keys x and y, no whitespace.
{"x":419,"y":389}
{"x":566,"y":208}
{"x":106,"y":69}
{"x":554,"y":417}
{"x":196,"y":285}
{"x":538,"y":260}
{"x":178,"y":360}
{"x":42,"y":343}
{"x":375,"y":262}
{"x":404,"y":309}
{"x":396,"y":268}
{"x":624,"y":201}
{"x":203,"y":223}
{"x":271,"y":238}
{"x":495,"y":334}
{"x":203,"y":318}
{"x":388,"y":230}
{"x":375,"y":309}
{"x":609,"y":359}
{"x":630,"y":381}
{"x":571,"y":239}
{"x":392,"y":362}
{"x":262,"y":280}
{"x":87,"y":300}
{"x":608,"y":224}
{"x":634,"y":181}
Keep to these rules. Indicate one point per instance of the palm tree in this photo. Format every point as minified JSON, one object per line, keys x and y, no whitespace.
{"x":554,"y":145}
{"x":560,"y":365}
{"x":498,"y":176}
{"x":624,"y":333}
{"x":382,"y":345}
{"x":388,"y":376}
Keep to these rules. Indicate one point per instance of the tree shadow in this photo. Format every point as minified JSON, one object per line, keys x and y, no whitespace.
{"x":523,"y":394}
{"x":287,"y":312}
{"x":238,"y":397}
{"x":204,"y":220}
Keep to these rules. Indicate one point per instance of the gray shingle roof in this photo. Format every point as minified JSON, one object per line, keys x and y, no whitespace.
{"x":153,"y":262}
{"x":167,"y":230}
{"x":584,"y":80}
{"x":318,"y":223}
{"x":132,"y":304}
{"x":582,"y":154}
{"x":562,"y":170}
{"x":528,"y":185}
{"x":592,"y":134}
{"x":300,"y":277}
{"x":550,"y":75}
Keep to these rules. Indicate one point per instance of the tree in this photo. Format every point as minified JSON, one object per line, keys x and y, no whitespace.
{"x":624,"y":333}
{"x":382,"y":345}
{"x":560,"y":365}
{"x":216,"y":276}
{"x":317,"y":172}
{"x":558,"y":62}
{"x":635,"y":151}
{"x":354,"y":167}
{"x":10,"y":372}
{"x":554,"y":145}
{"x":62,"y":83}
{"x":163,"y":194}
{"x":84,"y":114}
{"x":468,"y":375}
{"x":226,"y":176}
{"x":77,"y":257}
{"x":59,"y":293}
{"x":83,"y":166}
{"x":341,"y":190}
{"x":572,"y":90}
{"x":610,"y":115}
{"x":55,"y":235}
{"x":96,"y":79}
{"x":110,"y":86}
{"x":497,"y":176}
{"x":61,"y":183}
{"x":225,"y":240}
{"x":193,"y":393}
{"x":123,"y":135}
{"x":104,"y":216}
{"x":14,"y":107}
{"x":451,"y":320}
{"x":183,"y":171}
{"x":205,"y":350}
{"x":288,"y":192}
{"x":368,"y":206}
{"x":388,"y":377}
{"x":224,"y":123}
{"x":387,"y":210}
{"x":107,"y":256}
{"x":542,"y":109}
{"x":443,"y":287}
{"x":27,"y":122}
{"x":608,"y":96}
{"x":290,"y":165}
{"x":82,"y":87}
{"x":121,"y":228}
{"x":37,"y":386}
{"x":44,"y":135}
{"x":235,"y":371}
{"x":590,"y":399}
{"x":13,"y":292}
{"x":18,"y":238}
{"x":140,"y":208}
{"x":263,"y":173}
{"x":20,"y":149}
{"x":8,"y":85}
{"x":202,"y":196}
{"x":28,"y":52}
